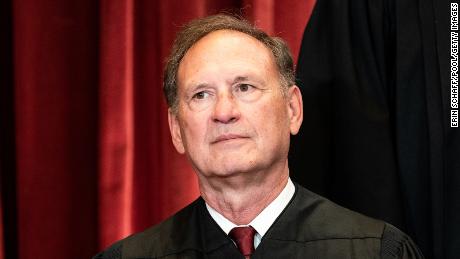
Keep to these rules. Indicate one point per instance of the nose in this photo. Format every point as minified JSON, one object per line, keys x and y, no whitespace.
{"x":226,"y":109}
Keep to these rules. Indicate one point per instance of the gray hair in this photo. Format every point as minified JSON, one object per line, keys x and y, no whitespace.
{"x":197,"y":29}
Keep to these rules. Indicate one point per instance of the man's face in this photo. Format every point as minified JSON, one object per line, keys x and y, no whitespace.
{"x":232,"y":115}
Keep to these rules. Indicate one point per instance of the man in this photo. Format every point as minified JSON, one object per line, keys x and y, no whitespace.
{"x":233,"y":106}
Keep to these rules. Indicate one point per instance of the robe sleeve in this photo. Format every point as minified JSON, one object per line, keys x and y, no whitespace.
{"x":396,"y":244}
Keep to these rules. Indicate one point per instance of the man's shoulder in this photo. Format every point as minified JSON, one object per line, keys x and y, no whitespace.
{"x":325,"y":219}
{"x":319,"y":224}
{"x":163,"y":238}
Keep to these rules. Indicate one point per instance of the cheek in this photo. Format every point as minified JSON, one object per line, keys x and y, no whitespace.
{"x":276,"y":112}
{"x":270,"y":120}
{"x":193,"y":131}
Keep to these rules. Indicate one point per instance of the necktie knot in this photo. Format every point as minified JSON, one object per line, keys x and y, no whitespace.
{"x":244,"y":239}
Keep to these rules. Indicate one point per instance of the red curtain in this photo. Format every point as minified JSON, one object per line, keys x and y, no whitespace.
{"x":93,"y":157}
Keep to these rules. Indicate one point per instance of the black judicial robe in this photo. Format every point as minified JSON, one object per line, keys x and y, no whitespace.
{"x":309,"y":227}
{"x":375,"y":77}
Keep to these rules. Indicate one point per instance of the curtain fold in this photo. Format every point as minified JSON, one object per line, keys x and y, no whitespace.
{"x":93,"y":160}
{"x":55,"y":87}
{"x":116,"y":119}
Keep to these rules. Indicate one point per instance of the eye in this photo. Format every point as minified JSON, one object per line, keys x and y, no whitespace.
{"x":200,"y":95}
{"x":244,"y":87}
{"x":247,"y":92}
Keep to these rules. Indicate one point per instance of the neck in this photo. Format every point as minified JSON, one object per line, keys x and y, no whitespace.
{"x":242,"y":197}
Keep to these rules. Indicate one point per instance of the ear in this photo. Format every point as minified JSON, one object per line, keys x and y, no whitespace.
{"x":176,"y":135}
{"x":295,"y":109}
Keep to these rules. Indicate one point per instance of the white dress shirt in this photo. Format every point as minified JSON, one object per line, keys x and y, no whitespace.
{"x":266,"y":217}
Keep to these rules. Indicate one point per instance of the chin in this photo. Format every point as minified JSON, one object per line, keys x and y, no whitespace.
{"x":233,"y":168}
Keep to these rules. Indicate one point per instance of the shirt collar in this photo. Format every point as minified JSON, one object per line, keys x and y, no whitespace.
{"x":262,"y":222}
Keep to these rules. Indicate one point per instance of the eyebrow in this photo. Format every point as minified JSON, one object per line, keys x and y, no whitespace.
{"x":250,"y":78}
{"x":239,"y":79}
{"x":199,"y":86}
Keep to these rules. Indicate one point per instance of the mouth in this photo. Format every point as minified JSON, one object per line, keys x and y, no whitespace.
{"x":227,"y":137}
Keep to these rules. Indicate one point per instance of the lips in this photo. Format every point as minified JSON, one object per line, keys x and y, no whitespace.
{"x":227,"y":137}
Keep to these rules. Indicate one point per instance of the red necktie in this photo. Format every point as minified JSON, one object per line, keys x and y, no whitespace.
{"x":244,"y":239}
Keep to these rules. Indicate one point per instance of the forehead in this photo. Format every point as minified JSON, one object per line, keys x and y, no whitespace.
{"x":226,"y":51}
